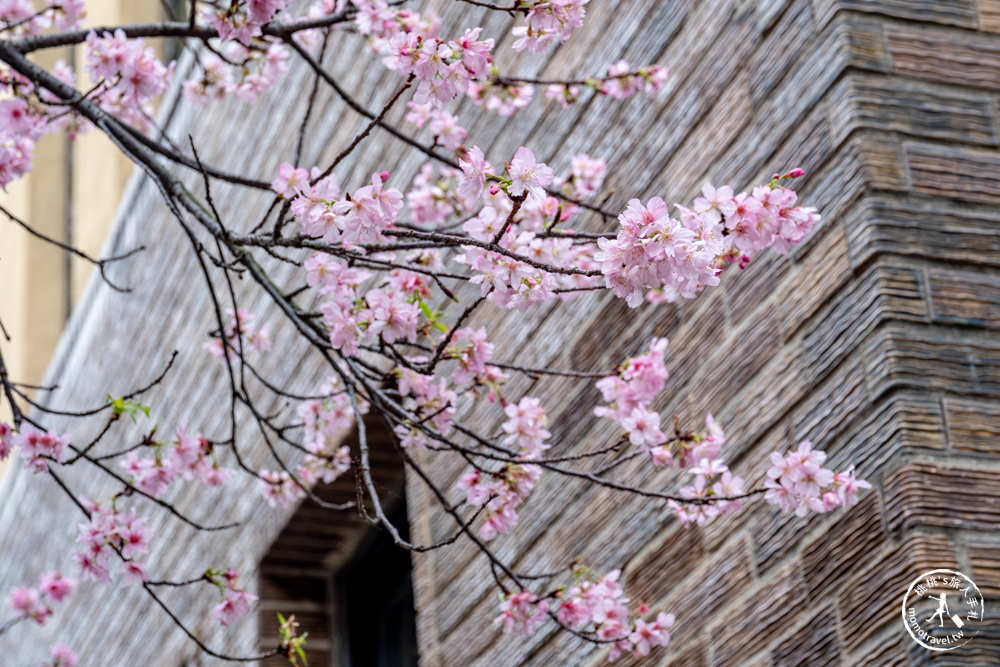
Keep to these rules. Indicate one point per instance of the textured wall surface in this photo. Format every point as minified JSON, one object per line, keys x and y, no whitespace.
{"x":876,"y":339}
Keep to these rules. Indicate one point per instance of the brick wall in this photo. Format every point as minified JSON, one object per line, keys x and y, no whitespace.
{"x":876,"y":339}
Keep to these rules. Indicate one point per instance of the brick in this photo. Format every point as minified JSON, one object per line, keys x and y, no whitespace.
{"x":833,"y":557}
{"x":887,"y":650}
{"x":945,"y":56}
{"x":665,"y":565}
{"x":915,"y":108}
{"x":815,"y":642}
{"x":884,"y":292}
{"x":870,"y":599}
{"x":984,"y":557}
{"x":754,"y":622}
{"x":781,"y":49}
{"x":708,"y":592}
{"x":989,"y":15}
{"x":815,"y":278}
{"x":922,"y":228}
{"x":958,"y":173}
{"x":973,"y":426}
{"x":954,"y":12}
{"x":924,"y":494}
{"x":903,"y":423}
{"x":964,"y":297}
{"x":899,"y":357}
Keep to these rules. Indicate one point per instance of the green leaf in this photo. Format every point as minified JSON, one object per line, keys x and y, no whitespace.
{"x":131,"y":408}
{"x":431,"y":316}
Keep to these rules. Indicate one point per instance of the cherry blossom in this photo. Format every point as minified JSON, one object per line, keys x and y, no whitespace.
{"x":548,"y":21}
{"x":110,"y":532}
{"x":62,"y":656}
{"x":797,"y":482}
{"x":521,"y":612}
{"x":528,"y":175}
{"x":674,"y":259}
{"x":235,"y":605}
{"x":35,"y":603}
{"x":240,"y":333}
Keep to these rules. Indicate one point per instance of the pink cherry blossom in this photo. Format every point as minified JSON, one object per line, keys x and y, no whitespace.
{"x":528,"y":175}
{"x":797,"y":482}
{"x":55,"y":586}
{"x":521,"y":612}
{"x":62,"y":656}
{"x":233,"y":607}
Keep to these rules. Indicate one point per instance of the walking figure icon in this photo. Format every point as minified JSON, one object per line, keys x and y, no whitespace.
{"x":942,"y":609}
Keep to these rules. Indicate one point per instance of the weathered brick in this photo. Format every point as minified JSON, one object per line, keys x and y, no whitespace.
{"x":989,"y":15}
{"x":815,"y":642}
{"x":954,"y":12}
{"x":849,"y":542}
{"x":946,"y":56}
{"x":870,"y":599}
{"x":666,"y":564}
{"x":708,"y":592}
{"x":955,"y":172}
{"x":753,"y":623}
{"x":882,"y":293}
{"x":924,"y":494}
{"x":922,"y":228}
{"x":915,"y":108}
{"x":973,"y":426}
{"x":984,"y":557}
{"x":964,"y":297}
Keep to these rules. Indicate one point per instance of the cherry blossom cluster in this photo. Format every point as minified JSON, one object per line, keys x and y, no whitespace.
{"x":434,"y":196}
{"x":628,"y":396}
{"x":798,"y":482}
{"x":547,"y":22}
{"x":504,"y":491}
{"x":599,"y":605}
{"x":28,"y":17}
{"x":236,"y":602}
{"x":246,"y":73}
{"x":379,"y":21}
{"x":443,"y":125}
{"x":521,"y":612}
{"x":442,"y":69}
{"x":501,"y":492}
{"x":501,"y":97}
{"x":242,"y":20}
{"x":278,"y":488}
{"x":25,"y":118}
{"x":325,"y":423}
{"x":111,"y":532}
{"x":623,"y":81}
{"x":595,"y":605}
{"x":36,"y":603}
{"x":131,"y":73}
{"x":241,"y":334}
{"x":36,"y":446}
{"x":62,"y":656}
{"x":517,"y":209}
{"x":666,"y":259}
{"x":427,"y":397}
{"x":349,"y":219}
{"x":188,"y":457}
{"x":713,"y":480}
{"x":473,"y":352}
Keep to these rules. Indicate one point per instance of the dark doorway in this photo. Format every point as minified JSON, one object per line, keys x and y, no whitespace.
{"x":377,"y":598}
